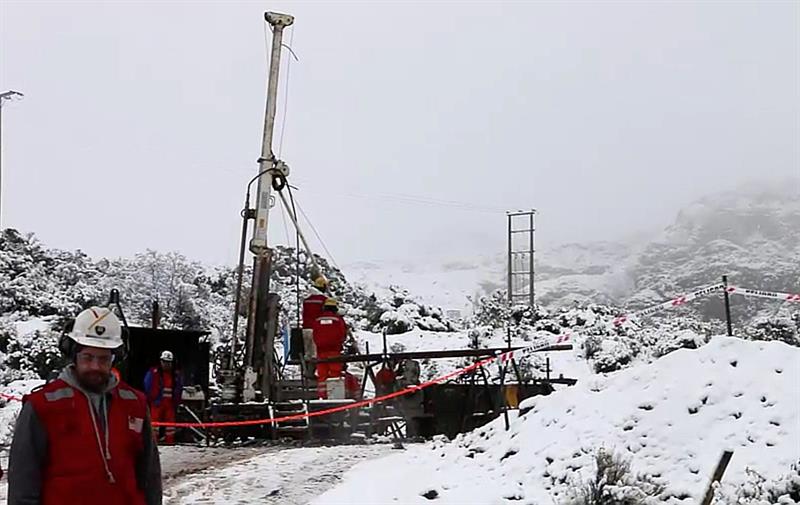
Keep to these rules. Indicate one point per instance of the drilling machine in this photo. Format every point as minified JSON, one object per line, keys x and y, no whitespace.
{"x":258,"y":371}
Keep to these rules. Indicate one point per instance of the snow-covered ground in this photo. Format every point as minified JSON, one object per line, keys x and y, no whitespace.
{"x":275,"y":476}
{"x":672,"y":418}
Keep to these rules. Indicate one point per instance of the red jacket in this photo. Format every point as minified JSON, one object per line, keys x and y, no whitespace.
{"x":330,"y":331}
{"x":312,"y":309}
{"x":352,"y":387}
{"x":75,"y":471}
{"x":385,"y":376}
{"x":155,"y":386}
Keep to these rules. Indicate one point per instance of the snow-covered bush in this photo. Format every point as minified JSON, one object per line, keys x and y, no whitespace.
{"x":614,"y":483}
{"x":615,"y":353}
{"x":757,"y":490}
{"x":784,"y":329}
{"x":31,"y":356}
{"x":399,"y":312}
{"x":669,"y":342}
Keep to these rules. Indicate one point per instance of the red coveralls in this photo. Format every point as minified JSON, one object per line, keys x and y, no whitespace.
{"x":312,"y":309}
{"x":163,"y":409}
{"x":351,"y":386}
{"x":330,"y":331}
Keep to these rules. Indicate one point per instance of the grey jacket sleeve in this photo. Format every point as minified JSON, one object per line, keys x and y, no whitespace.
{"x":28,"y":453}
{"x":148,"y":468}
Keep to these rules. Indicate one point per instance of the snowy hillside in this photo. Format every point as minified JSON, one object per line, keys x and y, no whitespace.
{"x":449,"y":284}
{"x":672,"y":419}
{"x":751,"y":234}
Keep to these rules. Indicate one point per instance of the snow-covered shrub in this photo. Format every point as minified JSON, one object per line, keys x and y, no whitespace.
{"x":492,"y":310}
{"x":31,"y":356}
{"x":686,"y":339}
{"x":592,"y":346}
{"x":758,"y":490}
{"x":614,"y":483}
{"x":615,"y":353}
{"x":399,"y":312}
{"x":784,"y":329}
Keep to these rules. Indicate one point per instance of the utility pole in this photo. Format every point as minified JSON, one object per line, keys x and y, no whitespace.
{"x":7,"y":95}
{"x":258,"y":344}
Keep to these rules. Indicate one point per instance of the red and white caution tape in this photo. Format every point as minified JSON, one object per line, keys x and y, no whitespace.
{"x":10,"y":397}
{"x":772,"y":295}
{"x":675,"y":302}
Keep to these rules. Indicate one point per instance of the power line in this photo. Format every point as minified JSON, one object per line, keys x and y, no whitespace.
{"x":322,"y":242}
{"x":417,"y":200}
{"x":286,"y":92}
{"x":285,"y":225}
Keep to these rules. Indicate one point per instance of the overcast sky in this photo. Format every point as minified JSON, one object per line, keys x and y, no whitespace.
{"x":142,"y":121}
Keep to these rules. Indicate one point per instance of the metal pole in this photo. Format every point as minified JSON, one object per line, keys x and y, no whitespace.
{"x":293,"y":218}
{"x":530,"y":257}
{"x":727,"y":304}
{"x":7,"y":95}
{"x":510,"y":266}
{"x":1,"y":164}
{"x":718,"y":473}
{"x":510,"y":282}
{"x":239,"y":274}
{"x":267,"y":160}
{"x":266,"y":164}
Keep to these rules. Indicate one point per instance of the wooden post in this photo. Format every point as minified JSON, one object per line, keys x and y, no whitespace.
{"x":721,"y":466}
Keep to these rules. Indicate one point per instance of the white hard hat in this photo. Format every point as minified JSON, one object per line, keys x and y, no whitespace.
{"x":166,"y":356}
{"x":97,"y":327}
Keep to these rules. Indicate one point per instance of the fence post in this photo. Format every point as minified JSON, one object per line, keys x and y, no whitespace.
{"x":721,"y":466}
{"x":727,"y":304}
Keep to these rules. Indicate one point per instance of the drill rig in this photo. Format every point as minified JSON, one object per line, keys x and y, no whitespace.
{"x":256,"y":377}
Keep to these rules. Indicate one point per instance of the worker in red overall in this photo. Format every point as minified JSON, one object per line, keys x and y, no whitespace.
{"x":329,"y":332}
{"x":312,"y":309}
{"x":163,"y":386}
{"x":352,"y":387}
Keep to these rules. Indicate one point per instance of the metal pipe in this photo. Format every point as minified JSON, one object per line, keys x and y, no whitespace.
{"x":7,"y":95}
{"x":239,"y":274}
{"x":454,"y":353}
{"x":530,"y":257}
{"x":293,"y":218}
{"x":726,"y":297}
{"x":510,"y":284}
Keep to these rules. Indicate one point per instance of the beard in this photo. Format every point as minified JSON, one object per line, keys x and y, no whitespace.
{"x":94,"y":381}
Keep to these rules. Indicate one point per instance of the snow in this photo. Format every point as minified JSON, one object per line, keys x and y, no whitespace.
{"x":41,"y":324}
{"x":8,"y":415}
{"x":447,"y":283}
{"x":278,"y":476}
{"x":673,"y":418}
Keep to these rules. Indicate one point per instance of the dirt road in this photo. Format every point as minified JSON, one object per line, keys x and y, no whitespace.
{"x":268,"y":475}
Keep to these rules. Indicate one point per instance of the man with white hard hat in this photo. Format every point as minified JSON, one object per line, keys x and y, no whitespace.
{"x":163,"y":387}
{"x":85,"y":437}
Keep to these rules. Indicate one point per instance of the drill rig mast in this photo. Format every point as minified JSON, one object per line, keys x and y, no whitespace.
{"x":258,"y":368}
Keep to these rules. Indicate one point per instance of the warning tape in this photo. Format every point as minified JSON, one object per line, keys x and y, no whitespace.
{"x":10,"y":397}
{"x":772,"y":295}
{"x":675,"y":302}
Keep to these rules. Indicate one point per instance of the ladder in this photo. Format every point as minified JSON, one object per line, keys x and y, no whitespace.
{"x":298,"y":428}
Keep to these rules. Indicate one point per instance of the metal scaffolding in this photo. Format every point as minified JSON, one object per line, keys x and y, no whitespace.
{"x":521,"y":248}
